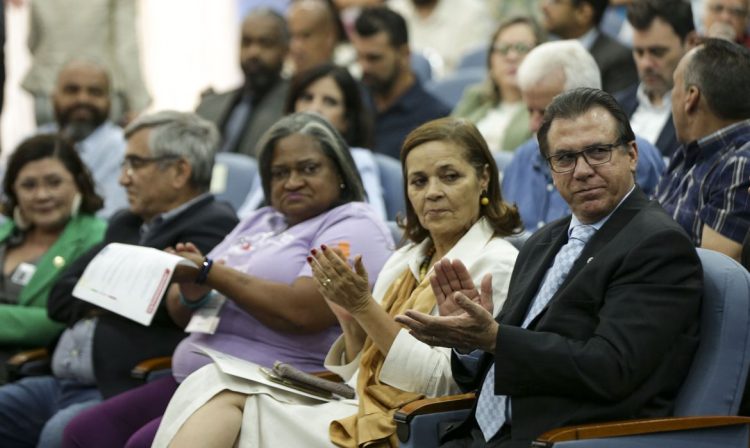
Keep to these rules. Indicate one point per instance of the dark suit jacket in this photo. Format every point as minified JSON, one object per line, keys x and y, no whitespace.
{"x":618,"y":337}
{"x":217,"y":107}
{"x":746,"y":252}
{"x":119,"y":343}
{"x":667,"y":141}
{"x":615,"y":62}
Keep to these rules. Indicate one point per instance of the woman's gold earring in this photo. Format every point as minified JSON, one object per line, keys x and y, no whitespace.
{"x":483,"y":199}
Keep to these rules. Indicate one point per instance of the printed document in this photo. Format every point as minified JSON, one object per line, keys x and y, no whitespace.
{"x":128,"y":280}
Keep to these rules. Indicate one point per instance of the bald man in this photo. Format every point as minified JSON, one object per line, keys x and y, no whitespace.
{"x":81,"y":104}
{"x":244,"y":113}
{"x":314,"y":33}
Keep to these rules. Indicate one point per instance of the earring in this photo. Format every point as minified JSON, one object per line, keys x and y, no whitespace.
{"x":342,"y":186}
{"x":483,"y":199}
{"x":18,"y":219}
{"x":75,"y":205}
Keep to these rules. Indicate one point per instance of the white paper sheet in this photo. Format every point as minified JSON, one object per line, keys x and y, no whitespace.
{"x":247,"y":370}
{"x":128,"y":280}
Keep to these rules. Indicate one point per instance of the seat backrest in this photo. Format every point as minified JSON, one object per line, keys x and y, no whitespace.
{"x":450,"y":89}
{"x":392,"y":182}
{"x":421,"y":66}
{"x":474,"y":58}
{"x":233,"y":177}
{"x":716,"y":380}
{"x":518,"y":240}
{"x":502,"y":159}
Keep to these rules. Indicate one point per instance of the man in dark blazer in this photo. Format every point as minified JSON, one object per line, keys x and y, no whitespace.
{"x":614,"y":338}
{"x":166,"y":172}
{"x":663,"y":31}
{"x":579,"y":19}
{"x":244,"y":114}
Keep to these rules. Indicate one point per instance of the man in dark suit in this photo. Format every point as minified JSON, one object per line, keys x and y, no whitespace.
{"x":244,"y":114}
{"x":601,"y":319}
{"x":166,"y":172}
{"x":579,"y":19}
{"x":663,"y":31}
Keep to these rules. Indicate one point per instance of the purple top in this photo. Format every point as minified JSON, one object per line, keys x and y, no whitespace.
{"x":263,"y":246}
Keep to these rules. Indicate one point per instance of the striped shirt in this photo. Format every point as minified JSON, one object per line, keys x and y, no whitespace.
{"x":706,"y":184}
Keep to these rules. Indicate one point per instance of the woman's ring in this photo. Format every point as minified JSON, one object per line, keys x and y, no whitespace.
{"x":326,"y":282}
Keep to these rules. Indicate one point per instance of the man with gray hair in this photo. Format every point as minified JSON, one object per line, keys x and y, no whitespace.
{"x":166,"y":172}
{"x":81,"y":102}
{"x":548,"y":70}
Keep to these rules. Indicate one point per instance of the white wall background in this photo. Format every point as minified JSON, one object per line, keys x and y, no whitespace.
{"x":186,"y":47}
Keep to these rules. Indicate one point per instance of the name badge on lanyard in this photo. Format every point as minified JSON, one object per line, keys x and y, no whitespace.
{"x":23,"y":273}
{"x":206,"y":318}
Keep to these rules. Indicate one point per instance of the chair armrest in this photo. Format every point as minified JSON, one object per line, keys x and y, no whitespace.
{"x":144,"y":368}
{"x":433,"y":405}
{"x":404,"y":416}
{"x":32,"y":362}
{"x":634,"y":427}
{"x":25,"y":356}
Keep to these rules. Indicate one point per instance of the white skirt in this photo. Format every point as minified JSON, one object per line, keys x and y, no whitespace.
{"x":271,"y":418}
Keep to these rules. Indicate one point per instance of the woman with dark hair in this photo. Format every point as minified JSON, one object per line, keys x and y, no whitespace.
{"x":344,"y":109}
{"x":495,"y":105}
{"x":455,"y":210}
{"x":258,"y":281}
{"x":330,"y":91}
{"x":50,"y":202}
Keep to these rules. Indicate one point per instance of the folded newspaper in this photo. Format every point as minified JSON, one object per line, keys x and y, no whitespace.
{"x":293,"y":374}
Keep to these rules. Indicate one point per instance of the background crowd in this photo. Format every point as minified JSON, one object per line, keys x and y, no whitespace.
{"x":372,"y":139}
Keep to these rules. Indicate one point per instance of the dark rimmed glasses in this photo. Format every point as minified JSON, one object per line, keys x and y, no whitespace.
{"x":565,"y":160}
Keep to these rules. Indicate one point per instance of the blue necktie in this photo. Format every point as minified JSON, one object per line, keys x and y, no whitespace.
{"x":491,"y":412}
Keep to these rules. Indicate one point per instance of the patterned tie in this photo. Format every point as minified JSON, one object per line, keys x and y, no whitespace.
{"x":491,"y":408}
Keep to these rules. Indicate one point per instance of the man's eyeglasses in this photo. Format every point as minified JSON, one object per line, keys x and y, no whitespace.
{"x":565,"y":161}
{"x":132,"y":163}
{"x":736,"y":11}
{"x":505,"y":49}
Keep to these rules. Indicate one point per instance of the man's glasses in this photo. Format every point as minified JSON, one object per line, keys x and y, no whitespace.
{"x":505,"y":49}
{"x":133,"y":163}
{"x":565,"y":161}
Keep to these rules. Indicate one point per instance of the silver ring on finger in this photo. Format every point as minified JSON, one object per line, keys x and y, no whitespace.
{"x":326,"y":282}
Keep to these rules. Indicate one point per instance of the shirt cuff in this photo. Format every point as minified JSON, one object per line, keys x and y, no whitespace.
{"x":335,"y":360}
{"x":470,"y":360}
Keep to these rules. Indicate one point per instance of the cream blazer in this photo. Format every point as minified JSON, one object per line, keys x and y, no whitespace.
{"x":412,"y":365}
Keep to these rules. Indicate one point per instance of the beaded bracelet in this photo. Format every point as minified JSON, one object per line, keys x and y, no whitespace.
{"x":203,"y":274}
{"x":195,"y":304}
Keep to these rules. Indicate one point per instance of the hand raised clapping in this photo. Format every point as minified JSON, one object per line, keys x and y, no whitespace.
{"x":346,"y":288}
{"x":465,"y":322}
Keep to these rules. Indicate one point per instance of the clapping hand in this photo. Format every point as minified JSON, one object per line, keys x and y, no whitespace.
{"x":347,"y":290}
{"x":451,"y":277}
{"x":465,"y":322}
